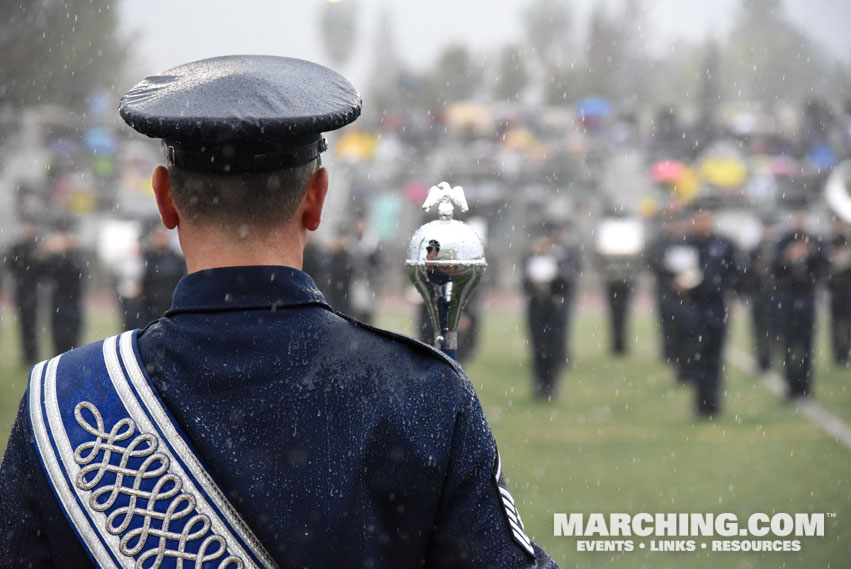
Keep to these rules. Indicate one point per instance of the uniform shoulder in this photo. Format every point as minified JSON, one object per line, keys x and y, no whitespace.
{"x":397,"y":364}
{"x":405,"y":343}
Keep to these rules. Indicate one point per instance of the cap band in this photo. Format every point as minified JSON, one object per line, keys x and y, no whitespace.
{"x":225,"y":159}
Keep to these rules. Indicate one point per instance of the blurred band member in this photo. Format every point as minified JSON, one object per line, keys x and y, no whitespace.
{"x":705,"y":309}
{"x":761,"y":288}
{"x":366,"y":266}
{"x":660,"y":256}
{"x":618,"y":250}
{"x":800,"y":262}
{"x":550,"y":273}
{"x":839,"y":285}
{"x":163,"y":267}
{"x":25,"y":266}
{"x":618,"y":293}
{"x":338,"y":272}
{"x":66,"y":266}
{"x":127,"y":272}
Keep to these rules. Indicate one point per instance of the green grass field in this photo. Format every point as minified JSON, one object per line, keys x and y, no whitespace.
{"x":621,"y":438}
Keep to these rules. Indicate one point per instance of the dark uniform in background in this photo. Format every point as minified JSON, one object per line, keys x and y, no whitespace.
{"x":761,"y":289}
{"x":703,"y":323}
{"x":618,"y":250}
{"x":839,"y":286}
{"x":340,"y":445}
{"x":339,"y":270}
{"x":162,"y":269}
{"x":366,"y":261}
{"x":127,"y":277}
{"x":668,"y":301}
{"x":26,"y":269}
{"x":709,"y":316}
{"x":350,"y":265}
{"x":550,"y":275}
{"x":799,"y":264}
{"x":315,"y":262}
{"x":66,"y":268}
{"x":664,"y":290}
{"x":618,"y":294}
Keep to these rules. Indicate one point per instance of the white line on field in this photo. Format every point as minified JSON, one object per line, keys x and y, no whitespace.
{"x":833,"y":425}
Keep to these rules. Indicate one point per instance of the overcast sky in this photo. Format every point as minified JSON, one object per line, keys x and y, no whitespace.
{"x":169,"y":33}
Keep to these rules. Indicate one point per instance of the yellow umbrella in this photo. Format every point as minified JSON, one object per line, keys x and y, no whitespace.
{"x":354,"y":145}
{"x":466,"y":114}
{"x":81,"y":201}
{"x":687,"y":185}
{"x":725,"y":173}
{"x":680,"y":187}
{"x":520,"y":139}
{"x":648,"y":207}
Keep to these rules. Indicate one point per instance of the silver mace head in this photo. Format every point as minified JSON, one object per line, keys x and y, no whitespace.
{"x":446,"y":262}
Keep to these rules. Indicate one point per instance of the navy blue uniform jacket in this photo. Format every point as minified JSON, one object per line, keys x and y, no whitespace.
{"x":340,"y":445}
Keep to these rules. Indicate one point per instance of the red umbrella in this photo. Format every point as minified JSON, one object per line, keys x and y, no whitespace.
{"x":667,"y":171}
{"x":783,"y":165}
{"x":415,"y":192}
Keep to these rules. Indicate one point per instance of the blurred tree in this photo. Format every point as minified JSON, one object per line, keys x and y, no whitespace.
{"x":456,"y":75}
{"x":709,"y":96}
{"x":564,"y":85}
{"x":421,"y":91}
{"x":616,"y":59}
{"x":338,"y":28}
{"x":547,"y":26}
{"x":512,"y":74}
{"x":630,"y":70}
{"x":675,"y":76}
{"x":387,"y":72}
{"x":58,"y":52}
{"x":603,"y":54}
{"x":768,"y":59}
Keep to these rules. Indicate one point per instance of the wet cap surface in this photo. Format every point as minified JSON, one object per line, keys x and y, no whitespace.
{"x":246,"y":104}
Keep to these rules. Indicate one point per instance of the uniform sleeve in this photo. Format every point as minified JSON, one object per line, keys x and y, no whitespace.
{"x":33,"y":529}
{"x":779,"y":262}
{"x":528,"y":287}
{"x":736,"y":269}
{"x":477,"y":526}
{"x":570,"y":267}
{"x":23,"y":540}
{"x":822,"y":261}
{"x":655,"y":258}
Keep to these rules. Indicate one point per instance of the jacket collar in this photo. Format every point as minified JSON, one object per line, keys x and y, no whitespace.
{"x":239,"y":288}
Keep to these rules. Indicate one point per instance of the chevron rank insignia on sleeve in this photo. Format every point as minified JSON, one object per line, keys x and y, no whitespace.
{"x":518,"y":533}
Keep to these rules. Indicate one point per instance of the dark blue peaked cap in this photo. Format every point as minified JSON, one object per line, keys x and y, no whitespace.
{"x":242,"y":112}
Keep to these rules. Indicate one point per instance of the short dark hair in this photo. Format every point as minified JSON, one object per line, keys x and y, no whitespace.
{"x":259,"y":199}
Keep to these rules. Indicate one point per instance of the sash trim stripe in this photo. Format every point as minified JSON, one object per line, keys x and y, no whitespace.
{"x":179,"y":447}
{"x":40,"y":406}
{"x":122,"y":388}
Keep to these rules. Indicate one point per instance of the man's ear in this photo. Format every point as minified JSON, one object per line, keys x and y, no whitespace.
{"x":314,"y":199}
{"x":162,"y":191}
